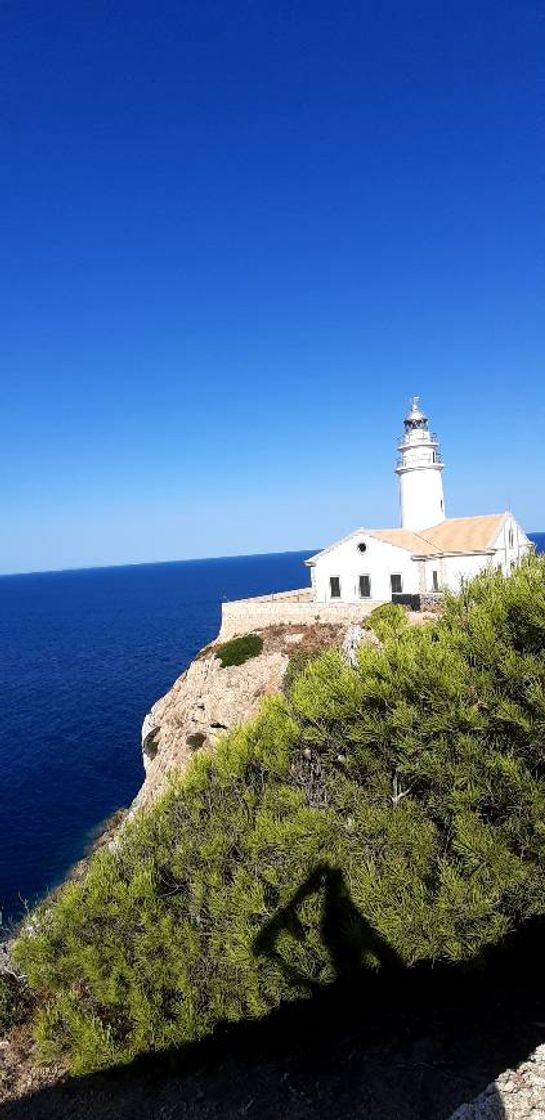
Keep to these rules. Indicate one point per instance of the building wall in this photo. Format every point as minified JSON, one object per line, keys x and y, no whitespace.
{"x":453,"y":570}
{"x":379,"y":561}
{"x":511,"y":545}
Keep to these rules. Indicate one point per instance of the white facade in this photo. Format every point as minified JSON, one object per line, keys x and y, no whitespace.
{"x":423,"y":556}
{"x":420,"y":472}
{"x":347,"y":562}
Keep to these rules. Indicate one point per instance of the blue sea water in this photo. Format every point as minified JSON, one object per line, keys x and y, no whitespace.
{"x":83,"y":656}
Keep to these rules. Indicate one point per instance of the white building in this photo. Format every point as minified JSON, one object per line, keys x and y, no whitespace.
{"x":430,"y":551}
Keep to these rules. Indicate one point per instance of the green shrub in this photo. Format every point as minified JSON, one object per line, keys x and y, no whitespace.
{"x":388,"y":618}
{"x":395,"y":811}
{"x":239,"y":650}
{"x":298,"y":661}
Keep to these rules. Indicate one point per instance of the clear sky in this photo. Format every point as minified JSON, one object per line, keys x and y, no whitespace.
{"x":236,"y":236}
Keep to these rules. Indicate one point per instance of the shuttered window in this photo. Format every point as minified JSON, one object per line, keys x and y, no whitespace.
{"x":335,"y":587}
{"x":365,"y":587}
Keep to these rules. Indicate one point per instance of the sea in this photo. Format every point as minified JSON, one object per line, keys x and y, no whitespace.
{"x":83,"y":656}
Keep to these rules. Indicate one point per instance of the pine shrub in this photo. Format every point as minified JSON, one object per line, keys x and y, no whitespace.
{"x":388,"y":813}
{"x":386,"y":617}
{"x":297,"y":662}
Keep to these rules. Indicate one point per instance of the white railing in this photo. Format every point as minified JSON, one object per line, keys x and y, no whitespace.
{"x":406,"y":441}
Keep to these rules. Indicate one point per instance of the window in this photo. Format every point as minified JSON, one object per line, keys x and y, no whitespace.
{"x":362,"y":547}
{"x":335,"y":587}
{"x":396,"y":584}
{"x":511,"y":538}
{"x":435,"y":581}
{"x":365,"y":587}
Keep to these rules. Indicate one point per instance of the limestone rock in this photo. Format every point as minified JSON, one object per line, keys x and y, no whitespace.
{"x":353,"y":639}
{"x":5,"y":956}
{"x":206,"y":701}
{"x":515,"y":1095}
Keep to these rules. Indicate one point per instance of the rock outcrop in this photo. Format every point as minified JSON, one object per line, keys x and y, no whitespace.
{"x":203,"y":703}
{"x":355,"y":637}
{"x":517,"y":1094}
{"x":209,"y":700}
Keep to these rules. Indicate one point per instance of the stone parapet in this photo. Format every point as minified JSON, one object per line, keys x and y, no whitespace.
{"x":287,"y":608}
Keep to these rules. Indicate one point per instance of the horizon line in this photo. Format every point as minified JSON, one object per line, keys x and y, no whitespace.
{"x":153,"y":563}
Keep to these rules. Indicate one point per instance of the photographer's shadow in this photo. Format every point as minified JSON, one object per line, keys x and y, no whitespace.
{"x":351,"y":941}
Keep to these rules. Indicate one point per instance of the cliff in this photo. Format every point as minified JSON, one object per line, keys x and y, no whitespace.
{"x":208,"y":699}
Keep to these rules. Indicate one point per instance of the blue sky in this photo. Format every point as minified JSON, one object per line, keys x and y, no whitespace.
{"x":235,"y":238}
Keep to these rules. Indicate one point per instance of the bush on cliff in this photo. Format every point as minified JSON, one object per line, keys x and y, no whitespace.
{"x":298,"y":661}
{"x":391,"y":813}
{"x":239,"y":650}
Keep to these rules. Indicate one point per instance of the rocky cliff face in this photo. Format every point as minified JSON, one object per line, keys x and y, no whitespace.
{"x":202,"y":704}
{"x":208,"y":700}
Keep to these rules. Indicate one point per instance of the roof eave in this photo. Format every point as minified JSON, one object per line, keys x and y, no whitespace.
{"x":454,"y":552}
{"x":312,"y":560}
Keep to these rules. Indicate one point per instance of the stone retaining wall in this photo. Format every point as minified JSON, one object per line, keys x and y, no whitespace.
{"x":293,"y":608}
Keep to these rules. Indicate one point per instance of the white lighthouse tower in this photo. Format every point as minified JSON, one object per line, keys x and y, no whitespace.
{"x":420,"y":471}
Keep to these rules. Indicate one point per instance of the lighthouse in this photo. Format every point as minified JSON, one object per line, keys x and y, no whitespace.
{"x":420,"y":472}
{"x":429,"y":553}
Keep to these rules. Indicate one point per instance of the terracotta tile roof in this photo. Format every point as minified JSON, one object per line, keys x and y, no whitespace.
{"x":404,"y":538}
{"x":455,"y":534}
{"x":465,"y":534}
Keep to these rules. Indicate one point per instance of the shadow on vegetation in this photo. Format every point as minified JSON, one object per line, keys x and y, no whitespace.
{"x":387,"y":1044}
